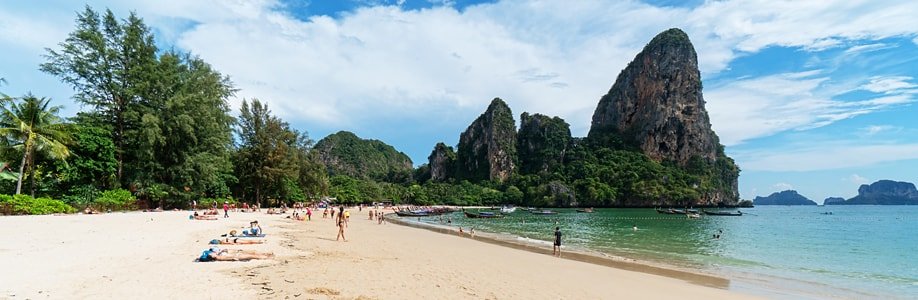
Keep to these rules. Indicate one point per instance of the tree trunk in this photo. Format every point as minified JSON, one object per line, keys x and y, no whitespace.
{"x":25,"y":155}
{"x":258,"y":195}
{"x":32,"y":176}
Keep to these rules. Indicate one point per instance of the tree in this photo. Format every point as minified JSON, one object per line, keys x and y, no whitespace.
{"x":31,"y":126}
{"x":185,"y":133}
{"x":108,"y":63}
{"x":270,"y":153}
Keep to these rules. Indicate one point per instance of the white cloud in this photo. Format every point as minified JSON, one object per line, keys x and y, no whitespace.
{"x":783,"y":186}
{"x":27,"y":32}
{"x":825,"y":157}
{"x":868,"y":48}
{"x":857,"y":179}
{"x":554,"y":57}
{"x":875,"y":129}
{"x":889,"y":84}
{"x":757,"y":107}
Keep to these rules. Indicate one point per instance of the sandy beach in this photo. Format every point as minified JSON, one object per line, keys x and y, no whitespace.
{"x":151,"y":256}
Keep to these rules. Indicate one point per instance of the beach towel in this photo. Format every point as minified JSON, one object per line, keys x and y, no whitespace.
{"x":249,"y":236}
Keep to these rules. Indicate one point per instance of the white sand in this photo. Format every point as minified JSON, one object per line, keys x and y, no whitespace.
{"x":150,"y":256}
{"x":117,"y":256}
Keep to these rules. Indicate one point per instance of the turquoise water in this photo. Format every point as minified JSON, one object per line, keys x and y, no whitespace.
{"x":857,"y":252}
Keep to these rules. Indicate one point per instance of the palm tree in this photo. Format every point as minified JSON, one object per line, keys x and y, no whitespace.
{"x":31,"y":126}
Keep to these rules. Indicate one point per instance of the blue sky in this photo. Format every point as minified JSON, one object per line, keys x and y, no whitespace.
{"x":817,"y":96}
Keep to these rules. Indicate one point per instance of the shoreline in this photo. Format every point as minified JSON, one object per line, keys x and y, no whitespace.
{"x":599,"y":258}
{"x":392,"y":261}
{"x":99,"y":257}
{"x":752,"y":283}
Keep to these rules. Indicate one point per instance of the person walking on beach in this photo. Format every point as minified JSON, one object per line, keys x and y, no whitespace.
{"x":341,"y":223}
{"x":225,"y":209}
{"x":308,"y":214}
{"x":556,"y":250}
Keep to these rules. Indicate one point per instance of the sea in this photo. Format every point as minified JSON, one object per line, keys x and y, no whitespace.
{"x":786,"y":252}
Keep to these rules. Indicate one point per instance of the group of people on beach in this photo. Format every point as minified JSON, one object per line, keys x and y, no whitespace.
{"x":215,"y":253}
{"x":377,"y":215}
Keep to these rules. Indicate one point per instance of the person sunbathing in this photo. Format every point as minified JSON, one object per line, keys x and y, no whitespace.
{"x":196,"y":216}
{"x":217,"y":254}
{"x":235,"y":241}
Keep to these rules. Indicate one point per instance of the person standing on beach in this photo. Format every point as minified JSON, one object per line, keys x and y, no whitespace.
{"x":341,"y":223}
{"x":225,"y":209}
{"x":556,"y":250}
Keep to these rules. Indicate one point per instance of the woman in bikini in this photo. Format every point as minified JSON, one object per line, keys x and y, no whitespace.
{"x":341,"y":223}
{"x":216,"y":254}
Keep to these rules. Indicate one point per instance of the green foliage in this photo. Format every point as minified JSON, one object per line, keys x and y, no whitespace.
{"x":185,"y":133}
{"x":344,"y":153}
{"x":32,"y":128}
{"x":272,"y":158}
{"x":26,"y":205}
{"x":117,"y":199}
{"x":109,"y":63}
{"x":542,"y":142}
{"x":82,"y":196}
{"x":209,"y":202}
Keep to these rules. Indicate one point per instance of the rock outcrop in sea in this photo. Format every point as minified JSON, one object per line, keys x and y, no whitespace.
{"x":487,"y":148}
{"x":656,"y":106}
{"x":442,"y":162}
{"x":542,"y":142}
{"x":788,"y":197}
{"x":884,"y":192}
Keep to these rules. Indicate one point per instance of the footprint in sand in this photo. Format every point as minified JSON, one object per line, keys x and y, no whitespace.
{"x":324,"y":291}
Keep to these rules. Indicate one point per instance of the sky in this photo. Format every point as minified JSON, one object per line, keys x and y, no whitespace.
{"x":816,"y":96}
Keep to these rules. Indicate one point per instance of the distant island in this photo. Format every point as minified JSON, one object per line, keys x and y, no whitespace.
{"x":883,"y":192}
{"x":788,"y":197}
{"x":833,"y":200}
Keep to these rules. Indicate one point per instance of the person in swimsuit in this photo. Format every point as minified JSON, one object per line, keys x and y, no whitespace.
{"x":217,"y":254}
{"x":341,"y":223}
{"x":235,"y":241}
{"x":196,"y":216}
{"x":556,"y":250}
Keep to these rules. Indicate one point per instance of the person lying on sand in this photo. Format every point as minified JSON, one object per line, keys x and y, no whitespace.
{"x":296,"y":216}
{"x":196,"y":216}
{"x":217,"y":254}
{"x":235,"y":241}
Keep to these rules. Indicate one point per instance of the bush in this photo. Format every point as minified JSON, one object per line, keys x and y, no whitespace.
{"x":209,"y":202}
{"x":26,"y":205}
{"x":117,"y":199}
